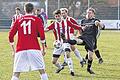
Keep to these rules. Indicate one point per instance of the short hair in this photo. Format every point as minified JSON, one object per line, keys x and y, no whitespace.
{"x":56,"y":12}
{"x":65,"y":9}
{"x":91,"y":9}
{"x":17,"y":8}
{"x":29,"y":7}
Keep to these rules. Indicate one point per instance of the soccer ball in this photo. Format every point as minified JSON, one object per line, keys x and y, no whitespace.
{"x":57,"y":44}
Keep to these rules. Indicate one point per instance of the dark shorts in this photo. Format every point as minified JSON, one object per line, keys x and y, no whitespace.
{"x":89,"y":42}
{"x":56,"y":56}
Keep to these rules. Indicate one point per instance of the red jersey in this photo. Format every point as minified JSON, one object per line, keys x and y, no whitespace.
{"x":73,"y":21}
{"x":68,"y":27}
{"x":27,"y":26}
{"x":59,"y":27}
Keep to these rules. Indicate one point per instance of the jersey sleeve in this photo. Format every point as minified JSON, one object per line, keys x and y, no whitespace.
{"x":12,"y":32}
{"x":73,"y":20}
{"x":97,"y":19}
{"x":82,"y":24}
{"x":73,"y":25}
{"x":41,"y":30}
{"x":51,"y":26}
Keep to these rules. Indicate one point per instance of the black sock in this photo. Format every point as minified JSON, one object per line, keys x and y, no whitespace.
{"x":86,"y":57}
{"x":97,"y":53}
{"x":89,"y":64}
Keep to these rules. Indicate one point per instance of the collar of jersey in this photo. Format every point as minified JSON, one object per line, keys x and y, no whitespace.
{"x":29,"y":14}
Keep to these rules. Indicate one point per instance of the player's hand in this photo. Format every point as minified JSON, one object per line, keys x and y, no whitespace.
{"x":97,"y":23}
{"x":83,"y":28}
{"x":43,"y":52}
{"x":13,"y":54}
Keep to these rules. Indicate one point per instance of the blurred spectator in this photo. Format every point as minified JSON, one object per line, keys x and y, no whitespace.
{"x":44,"y":17}
{"x":37,"y":13}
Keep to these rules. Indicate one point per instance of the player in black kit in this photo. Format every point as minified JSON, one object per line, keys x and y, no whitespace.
{"x":90,"y":21}
{"x":90,"y":26}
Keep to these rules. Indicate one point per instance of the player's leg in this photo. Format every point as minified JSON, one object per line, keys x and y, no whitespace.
{"x":70,"y":63}
{"x":15,"y":76}
{"x":67,"y":49}
{"x":56,"y":54}
{"x":89,"y":46}
{"x":97,"y":53}
{"x":36,"y":62}
{"x":20,"y":64}
{"x":43,"y":74}
{"x":56,"y":63}
{"x":78,"y":55}
{"x":90,"y":60}
{"x":65,"y":60}
{"x":86,"y":56}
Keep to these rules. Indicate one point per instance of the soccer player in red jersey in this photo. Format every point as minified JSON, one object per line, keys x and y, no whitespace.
{"x":28,"y":55}
{"x":64,"y":12}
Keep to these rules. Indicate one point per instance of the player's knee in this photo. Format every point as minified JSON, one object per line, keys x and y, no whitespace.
{"x":72,"y":47}
{"x":54,"y":62}
{"x":90,"y":57}
{"x":68,"y":56}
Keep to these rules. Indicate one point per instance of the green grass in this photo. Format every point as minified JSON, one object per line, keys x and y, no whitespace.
{"x":108,"y":44}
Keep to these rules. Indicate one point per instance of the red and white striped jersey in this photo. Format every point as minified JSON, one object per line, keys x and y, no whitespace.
{"x":73,"y":21}
{"x":15,"y":17}
{"x":69,"y":26}
{"x":60,"y":27}
{"x":57,"y":28}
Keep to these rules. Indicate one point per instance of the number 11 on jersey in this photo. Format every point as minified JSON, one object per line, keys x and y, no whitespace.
{"x":26,"y":24}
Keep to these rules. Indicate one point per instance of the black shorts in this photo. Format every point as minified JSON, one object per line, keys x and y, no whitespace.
{"x":89,"y":42}
{"x":56,"y":56}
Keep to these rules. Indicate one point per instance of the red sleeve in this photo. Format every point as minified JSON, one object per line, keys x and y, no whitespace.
{"x":73,"y":20}
{"x":73,"y":25}
{"x":41,"y":30}
{"x":13,"y":31}
{"x":51,"y":27}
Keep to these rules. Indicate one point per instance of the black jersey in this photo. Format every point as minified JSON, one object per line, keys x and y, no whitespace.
{"x":90,"y":28}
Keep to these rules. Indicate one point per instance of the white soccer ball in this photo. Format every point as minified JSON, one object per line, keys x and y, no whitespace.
{"x":57,"y":44}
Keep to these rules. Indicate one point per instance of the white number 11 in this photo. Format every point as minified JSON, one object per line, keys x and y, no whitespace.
{"x":24,"y":25}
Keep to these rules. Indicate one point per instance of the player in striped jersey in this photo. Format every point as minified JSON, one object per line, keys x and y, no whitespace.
{"x":64,"y":12}
{"x":58,"y":29}
{"x":17,"y":15}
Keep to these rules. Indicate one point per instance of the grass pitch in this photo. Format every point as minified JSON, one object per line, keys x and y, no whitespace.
{"x":108,"y":44}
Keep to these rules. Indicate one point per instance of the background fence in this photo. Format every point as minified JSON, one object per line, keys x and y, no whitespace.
{"x":105,"y":9}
